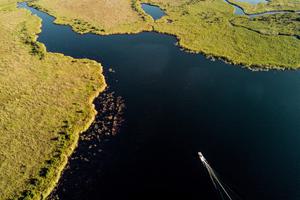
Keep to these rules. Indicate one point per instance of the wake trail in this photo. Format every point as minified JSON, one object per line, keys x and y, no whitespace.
{"x":219,"y":186}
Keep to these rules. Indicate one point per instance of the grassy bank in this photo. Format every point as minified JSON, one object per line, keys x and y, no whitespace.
{"x":45,"y":100}
{"x":202,"y":26}
{"x":205,"y":27}
{"x":97,"y":16}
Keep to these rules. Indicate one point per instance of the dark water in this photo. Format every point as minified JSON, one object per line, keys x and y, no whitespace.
{"x":155,"y":12}
{"x":247,"y":124}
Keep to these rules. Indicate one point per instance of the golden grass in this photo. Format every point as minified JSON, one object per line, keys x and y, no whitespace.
{"x":45,"y":102}
{"x":168,"y":2}
{"x":98,"y":16}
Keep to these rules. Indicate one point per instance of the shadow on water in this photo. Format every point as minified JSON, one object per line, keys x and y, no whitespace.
{"x":246,"y":123}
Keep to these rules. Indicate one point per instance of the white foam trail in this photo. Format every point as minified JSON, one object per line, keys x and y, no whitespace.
{"x":214,"y":178}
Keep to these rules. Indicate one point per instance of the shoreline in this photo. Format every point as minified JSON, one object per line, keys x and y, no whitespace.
{"x":152,"y":28}
{"x":74,"y":145}
{"x":39,"y":187}
{"x":102,"y":129}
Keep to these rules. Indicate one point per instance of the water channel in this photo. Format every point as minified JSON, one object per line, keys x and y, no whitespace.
{"x":246,"y":123}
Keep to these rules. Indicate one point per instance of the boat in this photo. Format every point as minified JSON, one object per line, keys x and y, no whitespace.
{"x":201,"y":157}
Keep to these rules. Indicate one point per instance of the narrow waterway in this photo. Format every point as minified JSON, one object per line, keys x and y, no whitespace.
{"x":247,"y":124}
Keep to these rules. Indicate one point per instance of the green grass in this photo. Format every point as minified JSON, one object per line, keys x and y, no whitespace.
{"x":205,"y":26}
{"x":97,"y":16}
{"x":45,"y":102}
{"x":279,"y":24}
{"x":291,"y":5}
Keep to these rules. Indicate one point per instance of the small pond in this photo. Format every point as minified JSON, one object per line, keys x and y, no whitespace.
{"x":155,"y":12}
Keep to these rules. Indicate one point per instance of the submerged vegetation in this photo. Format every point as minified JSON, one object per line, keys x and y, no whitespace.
{"x":46,"y":101}
{"x":205,"y":26}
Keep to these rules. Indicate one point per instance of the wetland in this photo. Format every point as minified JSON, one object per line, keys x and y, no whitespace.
{"x":246,"y":123}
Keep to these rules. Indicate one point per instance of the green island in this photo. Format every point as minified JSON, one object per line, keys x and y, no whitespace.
{"x":46,"y":101}
{"x":46,"y":98}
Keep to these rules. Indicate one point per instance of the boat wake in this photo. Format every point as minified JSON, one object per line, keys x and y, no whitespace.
{"x":224,"y":191}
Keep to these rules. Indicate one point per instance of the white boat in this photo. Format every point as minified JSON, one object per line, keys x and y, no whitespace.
{"x":201,"y":157}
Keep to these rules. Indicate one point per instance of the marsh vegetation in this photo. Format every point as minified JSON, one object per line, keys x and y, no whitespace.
{"x":180,"y":102}
{"x":273,"y":5}
{"x":45,"y":100}
{"x":279,"y":24}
